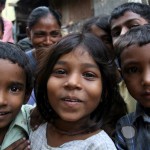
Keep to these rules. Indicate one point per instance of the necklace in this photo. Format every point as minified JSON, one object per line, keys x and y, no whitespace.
{"x":88,"y":130}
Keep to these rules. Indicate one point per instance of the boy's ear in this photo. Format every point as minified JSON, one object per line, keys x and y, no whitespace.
{"x":28,"y":33}
{"x":27,"y":96}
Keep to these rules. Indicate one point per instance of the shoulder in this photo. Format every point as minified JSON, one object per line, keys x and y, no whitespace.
{"x":101,"y":141}
{"x":36,"y":143}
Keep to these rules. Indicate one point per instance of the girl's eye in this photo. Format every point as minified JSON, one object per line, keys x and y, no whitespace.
{"x":89,"y":75}
{"x":59,"y":72}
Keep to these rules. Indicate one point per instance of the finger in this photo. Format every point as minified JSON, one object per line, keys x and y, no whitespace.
{"x":24,"y":145}
{"x":15,"y":144}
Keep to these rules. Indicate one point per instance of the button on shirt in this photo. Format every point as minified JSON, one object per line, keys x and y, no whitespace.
{"x":133,"y":131}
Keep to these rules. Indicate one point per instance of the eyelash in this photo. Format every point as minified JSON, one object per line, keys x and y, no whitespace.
{"x":62,"y":72}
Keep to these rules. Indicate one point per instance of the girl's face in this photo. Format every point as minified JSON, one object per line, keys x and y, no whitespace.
{"x":45,"y":32}
{"x":12,"y":91}
{"x":75,"y":85}
{"x":105,"y":37}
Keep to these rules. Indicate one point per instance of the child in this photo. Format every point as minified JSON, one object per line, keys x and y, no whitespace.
{"x":75,"y":88}
{"x":100,"y":27}
{"x":133,"y":130}
{"x":15,"y":88}
{"x":127,"y":16}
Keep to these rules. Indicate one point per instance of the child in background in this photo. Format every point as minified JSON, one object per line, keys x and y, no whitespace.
{"x":133,"y":52}
{"x":127,"y":16}
{"x":15,"y":89}
{"x":77,"y":85}
{"x":100,"y":27}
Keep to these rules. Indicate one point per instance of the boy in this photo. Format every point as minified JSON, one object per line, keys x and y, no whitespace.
{"x":15,"y":89}
{"x":133,"y":52}
{"x":123,"y":18}
{"x":127,"y":16}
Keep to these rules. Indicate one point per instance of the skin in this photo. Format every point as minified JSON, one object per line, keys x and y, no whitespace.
{"x":102,"y":35}
{"x":135,"y":65}
{"x":75,"y":76}
{"x":124,"y":23}
{"x":12,"y":93}
{"x":45,"y":32}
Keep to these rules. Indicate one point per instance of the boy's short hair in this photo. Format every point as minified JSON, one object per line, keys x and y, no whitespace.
{"x":138,"y":35}
{"x":11,"y":52}
{"x":141,"y":9}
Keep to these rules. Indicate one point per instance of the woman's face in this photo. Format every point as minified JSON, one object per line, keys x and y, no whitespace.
{"x":45,"y":32}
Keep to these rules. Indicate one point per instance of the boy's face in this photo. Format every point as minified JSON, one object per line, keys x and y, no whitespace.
{"x":135,"y":66}
{"x":124,"y":23}
{"x":12,"y":91}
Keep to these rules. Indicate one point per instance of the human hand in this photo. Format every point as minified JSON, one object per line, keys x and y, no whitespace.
{"x":21,"y":144}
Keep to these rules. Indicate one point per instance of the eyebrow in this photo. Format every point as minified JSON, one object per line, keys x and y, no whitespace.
{"x":130,"y":20}
{"x":87,"y":65}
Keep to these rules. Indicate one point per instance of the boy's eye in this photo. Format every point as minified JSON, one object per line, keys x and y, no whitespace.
{"x":131,"y":70}
{"x":89,"y":75}
{"x":15,"y":89}
{"x":115,"y":33}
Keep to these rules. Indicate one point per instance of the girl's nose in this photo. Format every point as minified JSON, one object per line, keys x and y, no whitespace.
{"x":73,"y":82}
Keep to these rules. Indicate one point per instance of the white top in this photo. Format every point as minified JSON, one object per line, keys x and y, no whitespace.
{"x":99,"y":141}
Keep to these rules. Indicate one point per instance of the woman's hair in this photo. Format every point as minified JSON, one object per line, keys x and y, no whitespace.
{"x":15,"y":55}
{"x":98,"y":52}
{"x":40,"y":12}
{"x":139,"y":35}
{"x":141,"y":9}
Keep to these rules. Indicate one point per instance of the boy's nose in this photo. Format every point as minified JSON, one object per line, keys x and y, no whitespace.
{"x":3,"y":100}
{"x":73,"y":82}
{"x":146,"y":78}
{"x":123,"y":30}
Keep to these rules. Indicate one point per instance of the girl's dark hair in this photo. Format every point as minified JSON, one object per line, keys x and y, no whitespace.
{"x":98,"y":52}
{"x":139,"y":35}
{"x":15,"y":55}
{"x":141,"y":9}
{"x":102,"y":22}
{"x":40,"y":12}
{"x":2,"y":24}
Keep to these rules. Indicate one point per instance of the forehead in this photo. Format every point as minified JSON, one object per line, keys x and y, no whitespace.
{"x":97,"y":31}
{"x":80,"y":53}
{"x":48,"y":21}
{"x":136,"y":53}
{"x":126,"y":17}
{"x":11,"y":70}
